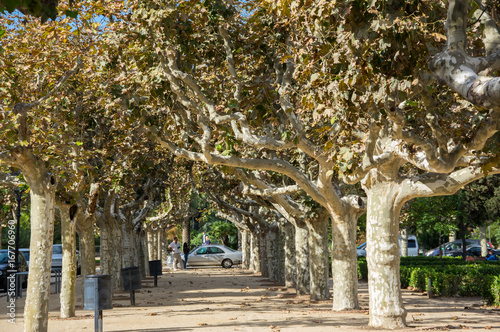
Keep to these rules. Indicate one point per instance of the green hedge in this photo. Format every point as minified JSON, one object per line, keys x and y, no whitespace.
{"x":449,"y":276}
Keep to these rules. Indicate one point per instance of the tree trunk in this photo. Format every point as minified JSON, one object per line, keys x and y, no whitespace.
{"x":318,"y":258}
{"x":482,"y":237}
{"x":85,"y":230}
{"x":129,"y":246}
{"x":344,"y":263}
{"x":160,"y":246}
{"x":281,"y":253}
{"x":143,"y":255}
{"x":290,"y":262}
{"x":254,"y":251}
{"x":272,"y":253}
{"x":386,"y":304}
{"x":68,"y":281}
{"x":302,"y":260}
{"x":117,"y":259}
{"x":245,"y":249}
{"x":263,"y":254}
{"x":162,"y":236}
{"x":404,"y":242}
{"x":36,"y":309}
{"x":186,"y":231}
{"x":106,"y":250}
{"x":151,"y":239}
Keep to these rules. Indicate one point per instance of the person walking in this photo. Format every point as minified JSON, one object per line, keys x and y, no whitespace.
{"x":176,"y":253}
{"x":185,"y":250}
{"x":204,"y":239}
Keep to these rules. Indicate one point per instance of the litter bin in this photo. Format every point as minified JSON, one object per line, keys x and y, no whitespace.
{"x":131,"y":281}
{"x":155,"y":270}
{"x":98,"y":296}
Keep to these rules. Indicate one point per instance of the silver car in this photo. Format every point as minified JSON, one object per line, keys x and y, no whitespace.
{"x":210,"y":255}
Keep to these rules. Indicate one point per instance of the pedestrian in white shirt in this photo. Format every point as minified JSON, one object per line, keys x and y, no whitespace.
{"x":176,"y":253}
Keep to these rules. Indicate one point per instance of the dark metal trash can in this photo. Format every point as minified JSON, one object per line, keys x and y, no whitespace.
{"x":98,"y":296}
{"x":131,"y":278}
{"x":104,"y":290}
{"x":155,"y":268}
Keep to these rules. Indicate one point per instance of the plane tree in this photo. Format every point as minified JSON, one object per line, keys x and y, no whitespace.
{"x":216,"y":94}
{"x":407,"y":127}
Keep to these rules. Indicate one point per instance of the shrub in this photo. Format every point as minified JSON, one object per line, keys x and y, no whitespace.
{"x":449,"y":276}
{"x":495,"y":290}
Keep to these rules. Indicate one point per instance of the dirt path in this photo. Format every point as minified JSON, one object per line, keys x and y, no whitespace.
{"x":238,"y":300}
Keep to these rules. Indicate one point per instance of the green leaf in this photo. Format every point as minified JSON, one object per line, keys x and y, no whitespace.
{"x":2,"y":32}
{"x":72,"y":13}
{"x":78,"y":143}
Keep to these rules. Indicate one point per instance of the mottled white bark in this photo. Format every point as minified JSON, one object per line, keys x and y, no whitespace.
{"x":290,"y":262}
{"x":263,"y":254}
{"x":85,"y":231}
{"x":318,"y":257}
{"x":281,"y":253}
{"x":404,"y":242}
{"x":344,"y":263}
{"x":106,"y":250}
{"x":245,"y":249}
{"x":302,"y":260}
{"x":117,"y":254}
{"x":36,"y":309}
{"x":162,"y":236}
{"x":272,"y":252}
{"x":129,"y":253}
{"x":160,"y":248}
{"x":152,"y":239}
{"x":143,"y":253}
{"x":68,"y":280}
{"x":255,"y":264}
{"x":386,"y":303}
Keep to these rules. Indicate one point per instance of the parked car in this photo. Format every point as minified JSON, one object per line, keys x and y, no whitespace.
{"x":57,"y":255}
{"x":412,"y":247}
{"x":449,"y":247}
{"x":212,"y":255}
{"x":472,"y":250}
{"x":5,"y":261}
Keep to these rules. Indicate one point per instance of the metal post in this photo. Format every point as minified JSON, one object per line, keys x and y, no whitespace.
{"x":156,"y":281}
{"x":429,"y":291}
{"x":97,"y":312}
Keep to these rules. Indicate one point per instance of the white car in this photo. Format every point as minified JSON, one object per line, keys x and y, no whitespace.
{"x":412,"y":247}
{"x":212,"y":255}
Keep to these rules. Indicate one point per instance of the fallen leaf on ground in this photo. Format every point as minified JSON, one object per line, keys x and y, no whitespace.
{"x":202,"y":324}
